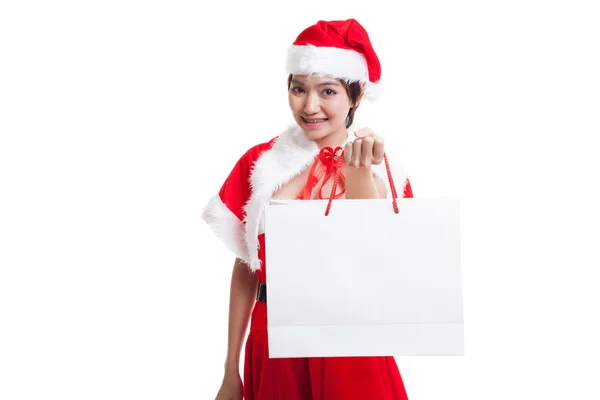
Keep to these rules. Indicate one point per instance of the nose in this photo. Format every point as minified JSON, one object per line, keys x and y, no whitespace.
{"x":312,"y":104}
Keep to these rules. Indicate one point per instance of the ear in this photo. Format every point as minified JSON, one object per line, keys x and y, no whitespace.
{"x":360,"y":96}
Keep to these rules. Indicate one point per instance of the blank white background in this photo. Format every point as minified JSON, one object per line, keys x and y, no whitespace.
{"x":120,"y":119}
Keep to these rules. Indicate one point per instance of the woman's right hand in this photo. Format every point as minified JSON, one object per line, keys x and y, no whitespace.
{"x":231,"y":388}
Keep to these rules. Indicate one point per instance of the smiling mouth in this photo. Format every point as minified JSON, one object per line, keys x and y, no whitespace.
{"x":314,"y":121}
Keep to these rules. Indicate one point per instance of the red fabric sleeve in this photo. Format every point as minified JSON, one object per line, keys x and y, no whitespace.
{"x":224,"y":213}
{"x":235,"y":192}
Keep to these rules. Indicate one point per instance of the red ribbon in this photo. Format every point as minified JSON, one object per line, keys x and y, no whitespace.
{"x":389,"y":174}
{"x":329,"y":166}
{"x":332,"y":167}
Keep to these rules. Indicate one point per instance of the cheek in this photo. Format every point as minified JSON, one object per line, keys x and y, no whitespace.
{"x":295,"y":103}
{"x":338,"y":110}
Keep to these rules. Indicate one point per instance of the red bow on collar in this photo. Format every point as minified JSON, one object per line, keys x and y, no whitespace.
{"x":330,"y":162}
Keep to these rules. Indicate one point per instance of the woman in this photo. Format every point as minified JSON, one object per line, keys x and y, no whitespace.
{"x":331,"y":67}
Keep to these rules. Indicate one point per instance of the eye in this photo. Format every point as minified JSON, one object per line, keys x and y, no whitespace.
{"x":297,"y":89}
{"x":329,"y":92}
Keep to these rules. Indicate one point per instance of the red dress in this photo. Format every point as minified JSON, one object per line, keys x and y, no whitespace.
{"x":330,"y":378}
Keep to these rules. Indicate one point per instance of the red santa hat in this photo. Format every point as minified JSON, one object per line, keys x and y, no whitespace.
{"x":340,"y":49}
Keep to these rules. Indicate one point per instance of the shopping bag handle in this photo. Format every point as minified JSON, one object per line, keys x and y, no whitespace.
{"x":337,"y":176}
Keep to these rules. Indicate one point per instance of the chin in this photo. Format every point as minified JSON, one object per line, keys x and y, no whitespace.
{"x":315,"y":134}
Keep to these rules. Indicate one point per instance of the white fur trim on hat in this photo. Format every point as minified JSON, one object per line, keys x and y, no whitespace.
{"x":332,"y":61}
{"x":344,"y":64}
{"x":373,"y":90}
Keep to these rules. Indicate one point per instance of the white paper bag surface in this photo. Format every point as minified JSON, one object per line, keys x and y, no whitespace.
{"x":364,"y":281}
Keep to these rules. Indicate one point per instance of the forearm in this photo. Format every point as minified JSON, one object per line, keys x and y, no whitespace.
{"x":360,"y":184}
{"x":241,"y":302}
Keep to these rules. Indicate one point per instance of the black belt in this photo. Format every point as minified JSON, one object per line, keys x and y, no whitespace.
{"x":261,"y":293}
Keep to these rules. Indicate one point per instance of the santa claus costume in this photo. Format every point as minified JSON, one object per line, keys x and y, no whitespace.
{"x":339,"y":49}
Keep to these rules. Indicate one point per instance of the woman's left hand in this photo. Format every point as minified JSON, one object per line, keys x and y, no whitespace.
{"x":364,"y":151}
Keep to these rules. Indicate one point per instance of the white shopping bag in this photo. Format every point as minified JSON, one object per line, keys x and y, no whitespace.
{"x":364,"y":281}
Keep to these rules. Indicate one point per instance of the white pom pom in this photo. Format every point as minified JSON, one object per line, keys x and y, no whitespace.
{"x":373,"y":90}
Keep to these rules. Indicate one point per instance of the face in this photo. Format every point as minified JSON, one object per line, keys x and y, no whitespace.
{"x":319,"y":105}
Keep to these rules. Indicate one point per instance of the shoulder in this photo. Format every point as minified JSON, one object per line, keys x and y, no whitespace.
{"x":285,"y":147}
{"x":255,"y":152}
{"x":271,"y":163}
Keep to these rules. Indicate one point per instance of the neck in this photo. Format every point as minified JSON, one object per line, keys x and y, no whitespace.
{"x":337,"y":138}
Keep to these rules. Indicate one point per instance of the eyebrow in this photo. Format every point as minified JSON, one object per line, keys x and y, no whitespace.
{"x":333,"y":83}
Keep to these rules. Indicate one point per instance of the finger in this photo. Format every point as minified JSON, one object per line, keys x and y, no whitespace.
{"x":356,"y":153}
{"x":366,"y":157}
{"x":378,"y":150}
{"x":348,"y":153}
{"x":364,"y":132}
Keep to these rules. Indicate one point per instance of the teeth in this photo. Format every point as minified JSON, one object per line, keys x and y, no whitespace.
{"x":314,"y":121}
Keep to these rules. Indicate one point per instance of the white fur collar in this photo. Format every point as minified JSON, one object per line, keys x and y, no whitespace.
{"x":290,"y":154}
